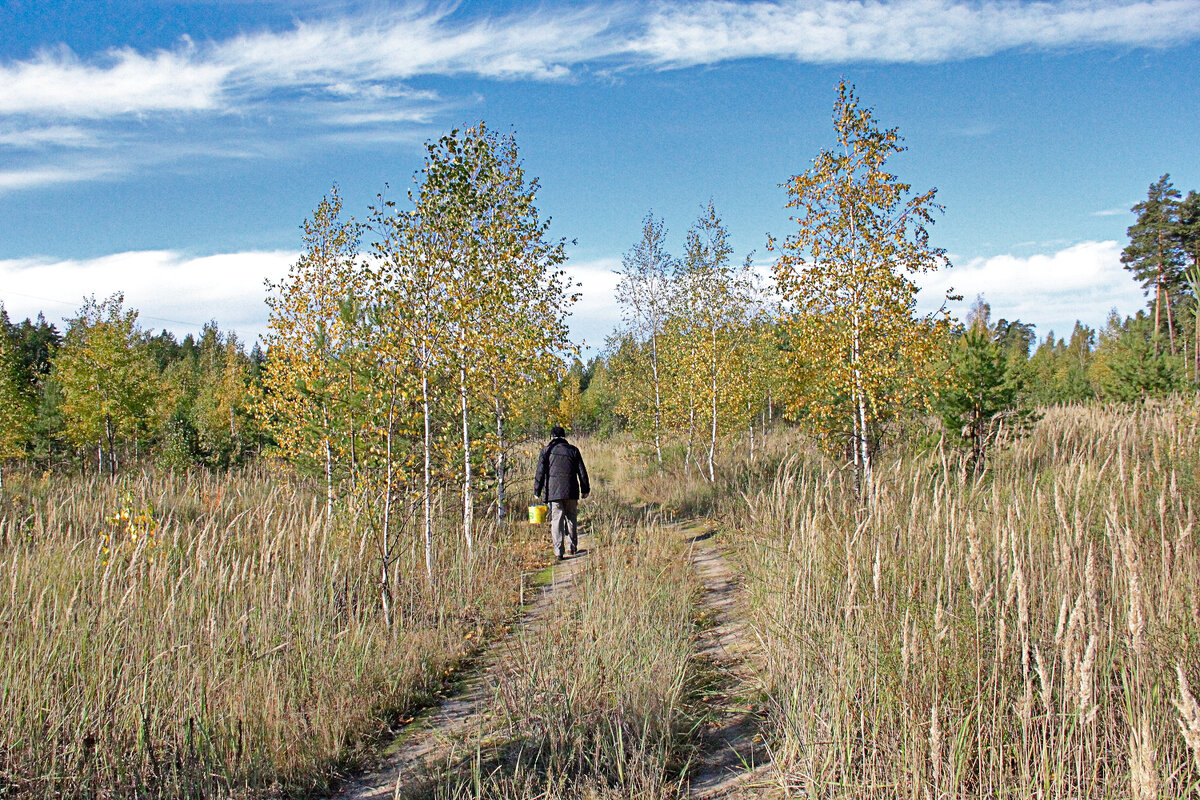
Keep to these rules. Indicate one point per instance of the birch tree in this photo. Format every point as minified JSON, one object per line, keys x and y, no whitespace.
{"x":857,"y":348}
{"x":758,"y":345}
{"x":301,"y":379}
{"x":645,"y":295}
{"x":108,"y":380}
{"x":16,"y":399}
{"x":507,"y":299}
{"x":412,"y":275}
{"x":522,"y":328}
{"x":718,"y":302}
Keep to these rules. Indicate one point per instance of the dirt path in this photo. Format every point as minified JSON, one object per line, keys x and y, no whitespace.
{"x":732,"y":761}
{"x":422,"y":747}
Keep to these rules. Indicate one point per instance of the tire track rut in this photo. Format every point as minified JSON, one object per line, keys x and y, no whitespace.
{"x":733,"y":760}
{"x":422,"y":747}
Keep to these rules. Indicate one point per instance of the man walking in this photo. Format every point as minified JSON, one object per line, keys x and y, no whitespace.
{"x":562,"y":479}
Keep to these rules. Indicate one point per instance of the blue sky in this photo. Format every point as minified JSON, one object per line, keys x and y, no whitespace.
{"x":172,"y":149}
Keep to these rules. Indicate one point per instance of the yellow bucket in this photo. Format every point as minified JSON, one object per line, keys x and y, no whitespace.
{"x":537,"y":514}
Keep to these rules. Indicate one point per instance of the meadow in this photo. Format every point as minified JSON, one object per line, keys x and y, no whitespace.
{"x":1029,"y":630}
{"x":184,"y":634}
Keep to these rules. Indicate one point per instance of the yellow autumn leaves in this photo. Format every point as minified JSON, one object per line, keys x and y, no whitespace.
{"x":857,"y":353}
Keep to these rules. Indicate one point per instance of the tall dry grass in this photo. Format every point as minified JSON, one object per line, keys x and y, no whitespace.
{"x":597,"y":700}
{"x":1034,"y":631}
{"x":185,"y":634}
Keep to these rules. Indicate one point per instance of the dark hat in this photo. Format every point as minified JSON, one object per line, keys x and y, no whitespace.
{"x":557,"y":432}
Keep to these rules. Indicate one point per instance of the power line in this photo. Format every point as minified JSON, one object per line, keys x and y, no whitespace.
{"x":74,"y":305}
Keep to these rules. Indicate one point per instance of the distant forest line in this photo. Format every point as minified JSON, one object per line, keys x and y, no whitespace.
{"x":455,"y":327}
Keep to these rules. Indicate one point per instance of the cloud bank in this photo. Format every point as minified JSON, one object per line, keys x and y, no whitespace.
{"x":596,"y":314}
{"x":1082,"y":282}
{"x":180,"y":293}
{"x":170,"y":290}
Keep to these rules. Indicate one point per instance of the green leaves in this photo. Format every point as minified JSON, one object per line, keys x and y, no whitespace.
{"x":108,"y":380}
{"x":16,"y":397}
{"x":1156,"y":249}
{"x":690,"y":351}
{"x":980,"y":395}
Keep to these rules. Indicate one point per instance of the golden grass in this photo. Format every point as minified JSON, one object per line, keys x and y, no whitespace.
{"x":1032,"y":632}
{"x":595,"y":702}
{"x":185,"y":634}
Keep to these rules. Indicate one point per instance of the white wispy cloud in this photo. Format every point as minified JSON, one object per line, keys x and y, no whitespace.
{"x":413,"y":42}
{"x":58,"y":84}
{"x":903,"y":31}
{"x":1052,"y":290}
{"x":360,"y":56}
{"x":350,"y":78}
{"x":41,"y":136}
{"x":49,"y":175}
{"x":170,"y":289}
{"x":365,"y":54}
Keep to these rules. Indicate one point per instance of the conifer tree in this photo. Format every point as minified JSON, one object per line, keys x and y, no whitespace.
{"x":1128,"y":365}
{"x":1189,"y":228}
{"x":1155,"y":253}
{"x":979,"y":397}
{"x":1189,"y":235}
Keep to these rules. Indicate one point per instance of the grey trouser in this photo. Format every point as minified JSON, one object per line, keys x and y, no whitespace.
{"x":564,"y":514}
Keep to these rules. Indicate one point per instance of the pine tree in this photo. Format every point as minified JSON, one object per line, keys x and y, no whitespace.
{"x":1154,"y":253}
{"x":1189,"y":235}
{"x":1128,"y":365}
{"x":979,"y":397}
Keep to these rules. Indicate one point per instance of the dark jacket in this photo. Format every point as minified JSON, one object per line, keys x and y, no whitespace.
{"x":561,"y":474}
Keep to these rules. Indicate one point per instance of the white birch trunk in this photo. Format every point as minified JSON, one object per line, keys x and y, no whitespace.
{"x":328,"y":462}
{"x":860,"y":401}
{"x":428,"y":444}
{"x":500,"y":465}
{"x":468,"y":497}
{"x":385,"y":555}
{"x":712,"y":441}
{"x":750,"y":416}
{"x":353,"y":436}
{"x":657,"y":393}
{"x":689,"y":454}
